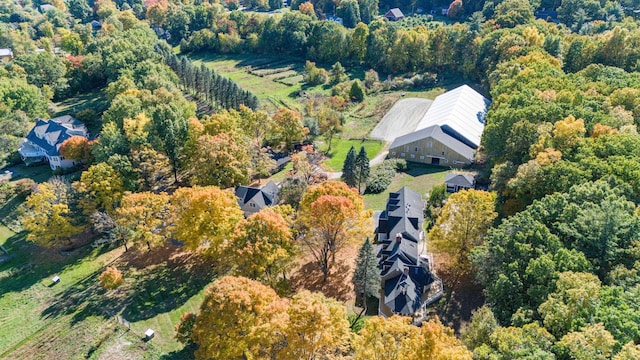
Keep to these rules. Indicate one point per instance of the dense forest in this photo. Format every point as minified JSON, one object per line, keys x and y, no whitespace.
{"x":554,"y":241}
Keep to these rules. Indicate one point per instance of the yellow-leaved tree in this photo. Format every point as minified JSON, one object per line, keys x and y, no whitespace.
{"x":262,"y":246}
{"x":204,"y":216}
{"x":462,"y":225}
{"x":239,"y":319}
{"x":101,"y":188}
{"x":395,"y":338}
{"x":144,"y":217}
{"x":332,"y":215}
{"x":47,"y":218}
{"x":317,"y":328}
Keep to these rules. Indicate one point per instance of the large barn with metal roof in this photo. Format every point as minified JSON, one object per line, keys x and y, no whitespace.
{"x":449,"y":133}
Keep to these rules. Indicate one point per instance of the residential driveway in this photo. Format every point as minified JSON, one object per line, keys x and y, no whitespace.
{"x":402,"y":119}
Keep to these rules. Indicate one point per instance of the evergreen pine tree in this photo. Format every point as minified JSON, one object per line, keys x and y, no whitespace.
{"x":348,"y":169}
{"x":362,"y":170}
{"x":366,"y":277}
{"x":356,"y":93}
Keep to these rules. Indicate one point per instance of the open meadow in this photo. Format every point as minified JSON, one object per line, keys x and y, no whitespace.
{"x":76,"y":318}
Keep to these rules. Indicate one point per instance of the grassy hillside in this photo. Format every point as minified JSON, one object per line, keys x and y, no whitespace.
{"x":76,"y":318}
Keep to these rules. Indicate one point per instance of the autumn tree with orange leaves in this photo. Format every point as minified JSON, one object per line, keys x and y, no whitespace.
{"x":262,"y":246}
{"x":110,"y":278}
{"x":77,"y":148}
{"x":332,"y":216}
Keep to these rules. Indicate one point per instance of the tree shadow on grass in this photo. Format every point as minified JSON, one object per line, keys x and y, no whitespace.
{"x":145,"y":293}
{"x":309,"y":277}
{"x":30,"y":264}
{"x":186,"y":353}
{"x":462,"y":295}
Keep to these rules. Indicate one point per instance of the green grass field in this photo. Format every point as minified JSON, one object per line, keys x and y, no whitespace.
{"x":420,"y":178}
{"x":76,"y":318}
{"x":276,"y":82}
{"x":340,"y":147}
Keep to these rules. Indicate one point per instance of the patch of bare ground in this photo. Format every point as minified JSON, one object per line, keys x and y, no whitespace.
{"x":308,"y":276}
{"x":462,"y":295}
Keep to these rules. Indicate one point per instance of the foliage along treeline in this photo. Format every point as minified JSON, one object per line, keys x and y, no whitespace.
{"x":208,"y":86}
{"x":242,"y":318}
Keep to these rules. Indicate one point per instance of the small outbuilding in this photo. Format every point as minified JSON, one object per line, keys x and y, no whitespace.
{"x":6,"y":55}
{"x":149,"y":334}
{"x":456,"y":182}
{"x":394,"y":15}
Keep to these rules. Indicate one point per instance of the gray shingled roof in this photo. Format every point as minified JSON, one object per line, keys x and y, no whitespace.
{"x":465,"y":180}
{"x":265,"y":196}
{"x":396,"y":13}
{"x":436,"y":133}
{"x":57,"y":130}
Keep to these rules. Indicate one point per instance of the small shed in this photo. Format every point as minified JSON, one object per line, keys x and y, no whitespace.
{"x":149,"y":334}
{"x":394,"y":14}
{"x":6,"y":55}
{"x":55,"y":279}
{"x":456,"y":182}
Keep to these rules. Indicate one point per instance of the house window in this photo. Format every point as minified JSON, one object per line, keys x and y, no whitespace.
{"x":393,"y":153}
{"x":402,"y":154}
{"x":413,"y":156}
{"x":429,"y":144}
{"x":416,"y":149}
{"x":252,"y":205}
{"x":443,"y":153}
{"x":421,"y":157}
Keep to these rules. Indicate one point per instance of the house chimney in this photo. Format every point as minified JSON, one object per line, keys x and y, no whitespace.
{"x":398,"y":238}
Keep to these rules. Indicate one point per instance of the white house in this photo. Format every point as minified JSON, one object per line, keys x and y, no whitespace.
{"x":43,"y":141}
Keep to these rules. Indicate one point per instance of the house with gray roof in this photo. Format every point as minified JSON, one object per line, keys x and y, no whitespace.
{"x":394,"y":14}
{"x":408,"y":284}
{"x":253,"y":199}
{"x":458,"y":181}
{"x":44,"y":140}
{"x":449,"y":132}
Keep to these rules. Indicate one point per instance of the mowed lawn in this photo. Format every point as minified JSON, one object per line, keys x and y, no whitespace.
{"x":76,"y":318}
{"x":421,"y":178}
{"x":340,"y":148}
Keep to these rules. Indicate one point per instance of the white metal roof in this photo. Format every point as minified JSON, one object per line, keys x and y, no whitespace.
{"x":460,"y":112}
{"x":6,"y":52}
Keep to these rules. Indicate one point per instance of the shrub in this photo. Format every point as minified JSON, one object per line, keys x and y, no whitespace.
{"x":381,"y":175}
{"x":111,"y":278}
{"x":184,"y":328}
